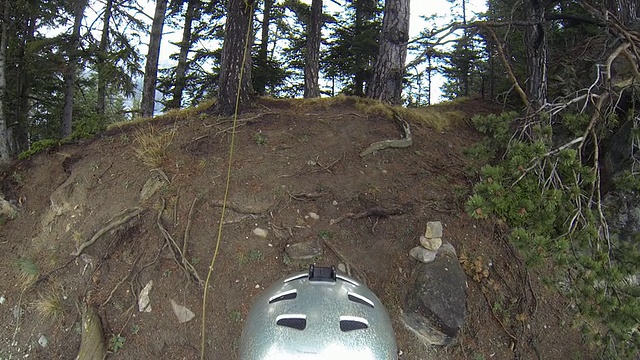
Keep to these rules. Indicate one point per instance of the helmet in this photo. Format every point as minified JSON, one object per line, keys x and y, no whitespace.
{"x":318,"y":315}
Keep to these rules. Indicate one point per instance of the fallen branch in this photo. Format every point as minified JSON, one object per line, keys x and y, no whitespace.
{"x":117,"y":221}
{"x":375,"y":211}
{"x":403,"y":142}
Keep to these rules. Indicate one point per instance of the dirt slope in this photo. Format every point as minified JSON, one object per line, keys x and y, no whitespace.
{"x":291,"y":158}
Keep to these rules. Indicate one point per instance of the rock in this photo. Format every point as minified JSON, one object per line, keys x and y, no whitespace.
{"x":8,"y":211}
{"x":314,"y":216}
{"x":153,"y":184}
{"x":432,"y":244}
{"x":435,"y":306}
{"x":304,"y":250}
{"x":43,"y":341}
{"x":447,"y":248}
{"x":434,"y":230}
{"x":144,"y":304}
{"x":342,"y":268}
{"x":2,"y":299}
{"x":423,"y":255}
{"x":260,"y":232}
{"x":182,"y":313}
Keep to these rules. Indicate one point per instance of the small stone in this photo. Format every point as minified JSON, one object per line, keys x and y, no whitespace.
{"x":182,"y":313}
{"x":431,"y":244}
{"x":434,"y":230}
{"x":257,"y":286}
{"x":311,"y":163}
{"x":2,"y":299}
{"x":304,"y":250}
{"x":342,"y":268}
{"x":423,"y":255}
{"x":260,"y":232}
{"x":314,"y":216}
{"x":43,"y":341}
{"x":144,"y":304}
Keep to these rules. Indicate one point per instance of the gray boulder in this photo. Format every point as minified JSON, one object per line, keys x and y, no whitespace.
{"x":435,"y":306}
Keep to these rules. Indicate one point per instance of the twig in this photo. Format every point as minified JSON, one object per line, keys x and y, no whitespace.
{"x":305,"y":196}
{"x":117,"y":221}
{"x":342,"y":258}
{"x":242,"y":209}
{"x":121,"y":281}
{"x":375,"y":211}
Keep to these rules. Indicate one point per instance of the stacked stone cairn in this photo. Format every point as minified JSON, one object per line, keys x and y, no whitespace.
{"x":435,"y":307}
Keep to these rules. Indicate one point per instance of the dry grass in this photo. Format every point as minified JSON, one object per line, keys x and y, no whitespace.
{"x":150,"y":145}
{"x":28,"y":272}
{"x":49,"y":305}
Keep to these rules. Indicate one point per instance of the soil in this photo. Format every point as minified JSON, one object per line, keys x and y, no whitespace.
{"x":290,"y":159}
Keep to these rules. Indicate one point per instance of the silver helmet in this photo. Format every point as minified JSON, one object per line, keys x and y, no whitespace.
{"x":318,"y":315}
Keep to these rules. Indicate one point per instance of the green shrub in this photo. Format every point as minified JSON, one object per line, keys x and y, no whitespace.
{"x":549,"y":198}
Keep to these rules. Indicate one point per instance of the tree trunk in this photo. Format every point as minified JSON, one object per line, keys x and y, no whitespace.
{"x":5,"y":153}
{"x":261,"y":84}
{"x":185,"y":46}
{"x":24,"y":80}
{"x":151,"y":68}
{"x":103,"y":48}
{"x":536,"y":43}
{"x":236,"y":52}
{"x":388,"y":71}
{"x":359,"y":76}
{"x":70,"y":71}
{"x":312,"y":65}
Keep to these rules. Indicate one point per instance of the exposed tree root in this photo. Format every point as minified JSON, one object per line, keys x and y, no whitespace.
{"x":93,"y":345}
{"x":115,"y":222}
{"x":178,"y":255}
{"x":403,"y":142}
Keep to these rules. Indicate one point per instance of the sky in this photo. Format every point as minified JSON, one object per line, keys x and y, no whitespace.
{"x":419,"y":9}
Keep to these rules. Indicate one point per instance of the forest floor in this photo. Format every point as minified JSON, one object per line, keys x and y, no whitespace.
{"x":291,"y":158}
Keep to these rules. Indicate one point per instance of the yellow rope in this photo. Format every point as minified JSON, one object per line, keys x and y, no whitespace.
{"x":226,"y":189}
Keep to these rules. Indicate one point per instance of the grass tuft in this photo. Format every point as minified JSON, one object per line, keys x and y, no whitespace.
{"x":49,"y":306}
{"x":151,"y":145}
{"x":28,"y":272}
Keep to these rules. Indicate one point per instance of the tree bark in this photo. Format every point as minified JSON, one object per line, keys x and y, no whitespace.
{"x":147,"y":103}
{"x":261,"y":84}
{"x":70,"y":70}
{"x":185,"y":46}
{"x":388,"y":71}
{"x":5,"y":153}
{"x":237,"y":40}
{"x":312,"y":65}
{"x":103,"y":48}
{"x":537,"y":50}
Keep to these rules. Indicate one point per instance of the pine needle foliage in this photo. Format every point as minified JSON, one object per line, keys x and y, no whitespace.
{"x":549,"y":197}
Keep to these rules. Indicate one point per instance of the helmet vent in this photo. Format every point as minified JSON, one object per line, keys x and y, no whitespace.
{"x":287,"y":295}
{"x":351,"y":323}
{"x":357,"y":298}
{"x":298,"y":322}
